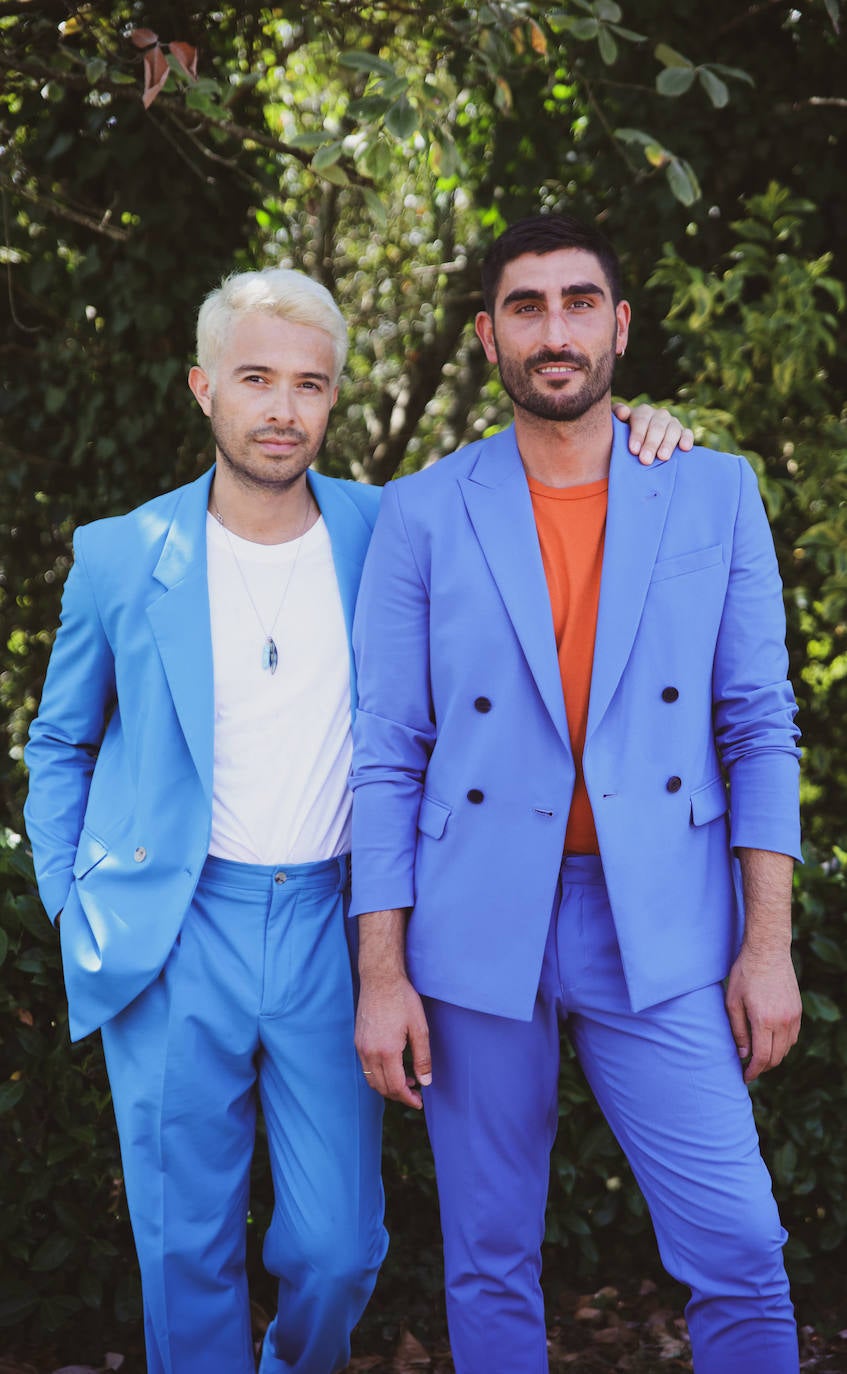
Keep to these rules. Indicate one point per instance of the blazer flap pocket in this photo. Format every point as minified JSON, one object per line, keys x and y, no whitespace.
{"x":432,"y":817}
{"x":89,"y":852}
{"x":687,"y":562}
{"x":709,"y":802}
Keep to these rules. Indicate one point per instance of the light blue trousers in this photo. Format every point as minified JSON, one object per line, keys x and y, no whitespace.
{"x":669,"y":1083}
{"x":255,"y":1004}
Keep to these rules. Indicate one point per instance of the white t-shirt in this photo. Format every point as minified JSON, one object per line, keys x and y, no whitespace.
{"x":282,"y":740}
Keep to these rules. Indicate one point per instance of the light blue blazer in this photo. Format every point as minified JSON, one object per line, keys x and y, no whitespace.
{"x":121,"y":753}
{"x":463,"y":771}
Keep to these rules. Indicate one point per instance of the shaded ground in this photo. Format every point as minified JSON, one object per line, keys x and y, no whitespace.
{"x":635,"y":1330}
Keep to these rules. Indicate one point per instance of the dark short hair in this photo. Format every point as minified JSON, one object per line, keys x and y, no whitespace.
{"x":547,"y":234}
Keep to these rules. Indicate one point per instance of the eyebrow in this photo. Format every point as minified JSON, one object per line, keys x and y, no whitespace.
{"x":531,"y":293}
{"x":263,"y":368}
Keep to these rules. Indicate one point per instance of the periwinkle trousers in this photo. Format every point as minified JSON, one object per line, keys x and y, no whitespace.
{"x":669,"y":1083}
{"x":255,"y":1004}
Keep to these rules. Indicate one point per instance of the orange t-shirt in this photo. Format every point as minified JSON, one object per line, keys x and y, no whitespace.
{"x":571,"y":523}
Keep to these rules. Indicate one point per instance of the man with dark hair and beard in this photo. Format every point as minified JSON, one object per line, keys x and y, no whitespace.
{"x":190,"y":824}
{"x":575,"y":803}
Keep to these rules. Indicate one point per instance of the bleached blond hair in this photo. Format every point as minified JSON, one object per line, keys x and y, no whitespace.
{"x":280,"y":291}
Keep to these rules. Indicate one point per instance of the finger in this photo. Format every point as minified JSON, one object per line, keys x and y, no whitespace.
{"x":641,"y":420}
{"x":761,"y":1058}
{"x":421,"y":1058}
{"x":739,"y":1026}
{"x":397,"y":1085}
{"x":622,"y":411}
{"x":686,"y":440}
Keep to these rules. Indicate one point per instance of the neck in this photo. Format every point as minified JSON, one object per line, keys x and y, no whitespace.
{"x":566,"y":453}
{"x":272,"y":515}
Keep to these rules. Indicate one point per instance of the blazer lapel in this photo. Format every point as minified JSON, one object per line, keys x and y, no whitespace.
{"x":639,"y":498}
{"x":181,"y":624}
{"x":349,"y":534}
{"x":500,"y":509}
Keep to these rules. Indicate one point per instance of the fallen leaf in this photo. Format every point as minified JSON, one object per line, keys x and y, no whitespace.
{"x":409,"y":1355}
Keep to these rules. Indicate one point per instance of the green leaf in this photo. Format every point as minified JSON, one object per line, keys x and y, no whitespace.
{"x":674,"y":81}
{"x":376,"y":206}
{"x":735,"y":72}
{"x":368,"y":108}
{"x":818,"y":1007}
{"x":95,"y":70}
{"x":682,"y":181}
{"x":359,"y":61}
{"x":584,"y":29}
{"x":628,"y":35}
{"x":314,"y":138}
{"x":669,"y":57}
{"x":327,"y":156}
{"x":52,"y":1253}
{"x":10,"y":1095}
{"x":608,"y":11}
{"x":402,"y":119}
{"x":634,"y":136}
{"x":833,"y":9}
{"x":608,"y":47}
{"x":716,"y":90}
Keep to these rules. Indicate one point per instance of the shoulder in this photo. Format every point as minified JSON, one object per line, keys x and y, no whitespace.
{"x":356,"y":497}
{"x":144,"y":527}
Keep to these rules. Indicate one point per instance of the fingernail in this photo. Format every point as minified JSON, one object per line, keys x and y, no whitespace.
{"x":425,"y":1080}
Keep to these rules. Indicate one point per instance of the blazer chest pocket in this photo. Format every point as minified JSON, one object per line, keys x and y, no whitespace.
{"x":687,"y":562}
{"x":89,"y":852}
{"x":433,"y":817}
{"x":709,"y":802}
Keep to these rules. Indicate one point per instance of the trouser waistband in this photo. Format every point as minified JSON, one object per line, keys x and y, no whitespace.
{"x":332,"y":874}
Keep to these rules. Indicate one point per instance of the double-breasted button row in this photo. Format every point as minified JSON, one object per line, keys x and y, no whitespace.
{"x":476,"y":796}
{"x":673,"y":784}
{"x":670,"y":694}
{"x":482,"y":704}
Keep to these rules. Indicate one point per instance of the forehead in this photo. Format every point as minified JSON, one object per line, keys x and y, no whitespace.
{"x":263,"y":339}
{"x":552,"y":272}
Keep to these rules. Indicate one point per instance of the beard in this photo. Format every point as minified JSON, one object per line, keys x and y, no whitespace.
{"x":238,"y":453}
{"x":567,"y":404}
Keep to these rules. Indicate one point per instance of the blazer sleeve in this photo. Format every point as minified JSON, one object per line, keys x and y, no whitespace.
{"x":394,"y":729}
{"x":754,"y":704}
{"x":65,"y":737}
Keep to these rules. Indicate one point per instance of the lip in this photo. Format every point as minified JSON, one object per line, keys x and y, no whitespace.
{"x":278,"y":445}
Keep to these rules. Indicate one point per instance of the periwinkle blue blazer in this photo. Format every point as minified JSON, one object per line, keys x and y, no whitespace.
{"x":463,"y":771}
{"x":121,"y":753}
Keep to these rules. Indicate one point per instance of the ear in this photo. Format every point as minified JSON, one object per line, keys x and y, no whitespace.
{"x":623,"y":315}
{"x":484,"y":326}
{"x":201,"y":388}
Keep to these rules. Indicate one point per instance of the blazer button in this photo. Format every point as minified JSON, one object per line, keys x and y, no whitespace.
{"x":482,"y":704}
{"x":140,"y":854}
{"x":475,"y":796}
{"x":673,"y":784}
{"x":670,"y":694}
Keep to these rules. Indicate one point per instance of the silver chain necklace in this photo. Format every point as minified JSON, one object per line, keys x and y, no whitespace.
{"x":270,"y":653}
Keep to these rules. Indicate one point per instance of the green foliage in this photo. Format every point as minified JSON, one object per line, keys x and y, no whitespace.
{"x":755,"y":342}
{"x":65,"y":1244}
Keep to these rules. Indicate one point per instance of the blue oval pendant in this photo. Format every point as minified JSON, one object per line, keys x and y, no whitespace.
{"x":270,"y":656}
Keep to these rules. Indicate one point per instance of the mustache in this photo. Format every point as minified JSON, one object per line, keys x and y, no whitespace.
{"x":565,"y":355}
{"x":291,"y":432}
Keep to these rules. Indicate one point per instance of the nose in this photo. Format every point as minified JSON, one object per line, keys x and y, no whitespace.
{"x":556,"y":329}
{"x":281,"y":405}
